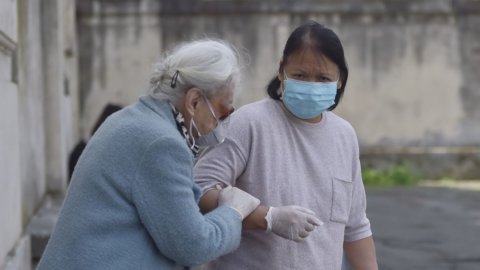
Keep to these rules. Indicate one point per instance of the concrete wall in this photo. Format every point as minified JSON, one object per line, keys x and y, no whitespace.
{"x":31,"y":107}
{"x":413,"y":64}
{"x":38,"y":78}
{"x":10,"y":193}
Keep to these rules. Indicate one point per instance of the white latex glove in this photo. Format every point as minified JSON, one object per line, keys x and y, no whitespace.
{"x":239,"y":200}
{"x":291,"y":222}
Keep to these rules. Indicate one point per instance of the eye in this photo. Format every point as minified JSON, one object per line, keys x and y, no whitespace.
{"x":298,"y":76}
{"x":324,"y":79}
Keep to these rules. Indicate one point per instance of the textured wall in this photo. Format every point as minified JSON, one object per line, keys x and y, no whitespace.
{"x":405,"y":83}
{"x":10,"y":191}
{"x":31,"y":106}
{"x":37,"y":66}
{"x":413,"y":64}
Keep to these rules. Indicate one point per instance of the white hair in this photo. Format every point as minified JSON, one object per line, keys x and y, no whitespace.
{"x":210,"y":65}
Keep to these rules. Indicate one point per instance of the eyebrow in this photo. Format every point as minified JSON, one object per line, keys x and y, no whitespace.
{"x":325,"y":74}
{"x":299,"y":69}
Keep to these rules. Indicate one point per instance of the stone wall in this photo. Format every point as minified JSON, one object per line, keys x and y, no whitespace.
{"x":10,"y":193}
{"x":413,"y":85}
{"x":38,"y":79}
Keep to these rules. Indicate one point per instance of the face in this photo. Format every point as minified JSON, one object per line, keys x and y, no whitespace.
{"x":307,"y":65}
{"x":222,"y":106}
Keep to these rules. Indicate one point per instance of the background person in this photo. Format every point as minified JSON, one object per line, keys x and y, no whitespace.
{"x":80,"y":146}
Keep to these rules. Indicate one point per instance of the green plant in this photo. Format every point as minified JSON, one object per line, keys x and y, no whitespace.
{"x":397,"y":175}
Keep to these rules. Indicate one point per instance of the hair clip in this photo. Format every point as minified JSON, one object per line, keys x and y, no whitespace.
{"x":173,"y":83}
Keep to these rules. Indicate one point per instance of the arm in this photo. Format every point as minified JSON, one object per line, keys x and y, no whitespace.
{"x":223,"y":165}
{"x":358,"y":246}
{"x":361,"y":254}
{"x":290,"y":222}
{"x":256,"y":220}
{"x":162,"y":192}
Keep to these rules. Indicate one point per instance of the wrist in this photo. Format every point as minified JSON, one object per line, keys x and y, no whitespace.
{"x":256,"y":220}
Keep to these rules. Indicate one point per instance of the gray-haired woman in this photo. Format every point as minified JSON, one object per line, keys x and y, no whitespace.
{"x":132,"y":203}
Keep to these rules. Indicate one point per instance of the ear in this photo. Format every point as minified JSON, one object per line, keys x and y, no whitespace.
{"x":339,"y":84}
{"x":192,"y":98}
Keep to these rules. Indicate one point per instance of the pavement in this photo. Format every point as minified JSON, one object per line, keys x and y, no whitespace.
{"x":433,"y":226}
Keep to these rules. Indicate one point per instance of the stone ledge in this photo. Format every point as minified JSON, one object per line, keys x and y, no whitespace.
{"x":429,"y":165}
{"x":20,"y":256}
{"x":466,"y":6}
{"x":89,"y":8}
{"x":41,"y":225}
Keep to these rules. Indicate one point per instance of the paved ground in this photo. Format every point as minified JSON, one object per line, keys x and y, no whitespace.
{"x":426,"y":228}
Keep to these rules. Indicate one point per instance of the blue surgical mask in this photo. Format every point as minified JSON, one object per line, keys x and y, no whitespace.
{"x":307,"y":100}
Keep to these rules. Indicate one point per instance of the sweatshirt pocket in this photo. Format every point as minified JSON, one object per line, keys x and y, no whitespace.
{"x":341,"y":199}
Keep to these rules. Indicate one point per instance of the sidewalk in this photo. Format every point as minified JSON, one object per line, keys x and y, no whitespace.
{"x":426,"y":227}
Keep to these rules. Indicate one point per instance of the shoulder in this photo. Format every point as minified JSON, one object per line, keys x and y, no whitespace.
{"x":339,"y":123}
{"x":137,"y":127}
{"x":343,"y":131}
{"x":256,"y":111}
{"x":263,"y":105}
{"x":246,"y":118}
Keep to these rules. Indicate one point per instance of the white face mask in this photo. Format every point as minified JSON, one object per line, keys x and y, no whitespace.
{"x":214,"y":137}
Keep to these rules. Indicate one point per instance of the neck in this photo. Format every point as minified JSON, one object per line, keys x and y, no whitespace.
{"x":314,"y":120}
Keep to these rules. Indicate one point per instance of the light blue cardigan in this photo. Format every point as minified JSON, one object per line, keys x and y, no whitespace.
{"x":132,"y":203}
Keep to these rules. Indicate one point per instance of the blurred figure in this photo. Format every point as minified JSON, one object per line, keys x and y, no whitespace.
{"x":132,"y":202}
{"x":80,"y":146}
{"x":291,"y":149}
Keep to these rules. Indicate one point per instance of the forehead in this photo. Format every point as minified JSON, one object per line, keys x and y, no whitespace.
{"x":224,"y":97}
{"x":310,"y":61}
{"x":222,"y":103}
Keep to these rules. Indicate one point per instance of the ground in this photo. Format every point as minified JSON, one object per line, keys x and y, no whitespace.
{"x":428,"y":227}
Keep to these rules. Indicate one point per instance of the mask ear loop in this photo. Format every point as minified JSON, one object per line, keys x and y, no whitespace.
{"x":281,"y":90}
{"x":190,"y":131}
{"x":211,"y":110}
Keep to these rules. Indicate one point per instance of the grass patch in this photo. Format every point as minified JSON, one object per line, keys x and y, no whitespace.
{"x":397,"y":175}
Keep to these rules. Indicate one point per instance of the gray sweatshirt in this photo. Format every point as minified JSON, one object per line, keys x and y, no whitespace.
{"x":285,"y":161}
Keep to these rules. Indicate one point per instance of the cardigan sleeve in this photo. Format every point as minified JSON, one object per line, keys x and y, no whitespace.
{"x":163,"y":195}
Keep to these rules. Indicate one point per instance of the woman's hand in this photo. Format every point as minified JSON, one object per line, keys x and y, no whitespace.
{"x":292,"y":222}
{"x":239,"y":200}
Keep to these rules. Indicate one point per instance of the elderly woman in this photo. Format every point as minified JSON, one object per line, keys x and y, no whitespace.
{"x":132,"y":203}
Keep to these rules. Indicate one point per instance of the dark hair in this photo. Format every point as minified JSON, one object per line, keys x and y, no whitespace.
{"x":80,"y":146}
{"x":323,"y":41}
{"x":107,"y":111}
